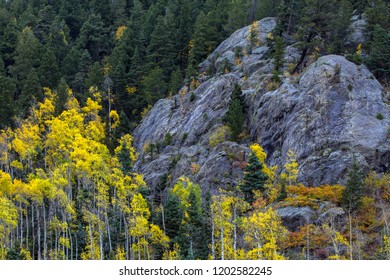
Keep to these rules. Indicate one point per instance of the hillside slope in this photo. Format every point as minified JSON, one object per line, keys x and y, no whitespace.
{"x":332,"y":113}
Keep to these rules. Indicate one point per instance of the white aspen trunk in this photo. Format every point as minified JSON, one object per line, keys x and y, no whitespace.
{"x":27,"y":227}
{"x":21,"y":225}
{"x":101,"y":243}
{"x":71,"y":243}
{"x":39,"y":235}
{"x":44,"y":233}
{"x":33,"y":230}
{"x":108,"y":233}
{"x":127,"y":238}
{"x":222,"y":244}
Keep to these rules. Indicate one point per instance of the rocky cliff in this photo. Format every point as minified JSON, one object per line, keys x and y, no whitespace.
{"x":331,"y":113}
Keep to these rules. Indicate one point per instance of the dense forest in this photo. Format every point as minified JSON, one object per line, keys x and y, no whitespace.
{"x":76,"y":77}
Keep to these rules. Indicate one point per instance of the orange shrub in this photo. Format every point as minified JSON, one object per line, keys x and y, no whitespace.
{"x":322,"y":193}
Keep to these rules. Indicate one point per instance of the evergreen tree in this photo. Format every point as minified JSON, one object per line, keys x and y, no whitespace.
{"x":173,"y":216}
{"x":278,"y":53}
{"x":235,"y":115}
{"x":27,"y":56}
{"x":176,"y":81}
{"x":95,"y":76}
{"x":154,"y":85}
{"x":379,"y":57}
{"x":254,"y":178}
{"x":238,"y":15}
{"x":93,"y":37}
{"x":162,"y":48}
{"x":354,"y":190}
{"x":204,"y":39}
{"x":7,"y":105}
{"x":48,"y":70}
{"x":315,"y":25}
{"x":61,"y":97}
{"x":31,"y":92}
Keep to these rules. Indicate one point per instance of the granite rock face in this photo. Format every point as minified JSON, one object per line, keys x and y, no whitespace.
{"x":332,"y":113}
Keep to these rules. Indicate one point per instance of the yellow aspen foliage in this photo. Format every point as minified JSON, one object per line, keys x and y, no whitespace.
{"x":264,"y":234}
{"x":173,"y":254}
{"x":120,"y":254}
{"x":254,"y":34}
{"x":386,"y":247}
{"x":359,"y":49}
{"x":126,"y":147}
{"x":5,"y":147}
{"x":120,"y":31}
{"x":27,"y":142}
{"x":114,"y":116}
{"x":131,"y":90}
{"x":8,"y":221}
{"x":145,"y":111}
{"x":262,"y":155}
{"x":291,"y":169}
{"x":223,"y":227}
{"x":92,"y":249}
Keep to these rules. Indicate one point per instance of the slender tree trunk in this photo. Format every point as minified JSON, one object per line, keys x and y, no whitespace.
{"x":44,"y":233}
{"x":290,"y":17}
{"x":108,"y":233}
{"x":101,"y":243}
{"x":33,"y":229}
{"x":253,"y":11}
{"x":39,"y":235}
{"x":21,"y":225}
{"x":27,"y":228}
{"x":127,"y":238}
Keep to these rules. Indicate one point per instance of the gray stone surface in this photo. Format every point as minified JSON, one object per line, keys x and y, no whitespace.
{"x":295,"y":217}
{"x":333,"y":112}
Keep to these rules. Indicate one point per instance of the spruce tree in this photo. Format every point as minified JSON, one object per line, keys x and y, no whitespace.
{"x":278,"y":53}
{"x":154,"y":86}
{"x":48,"y":71}
{"x":235,"y":115}
{"x":354,"y":191}
{"x":254,"y":178}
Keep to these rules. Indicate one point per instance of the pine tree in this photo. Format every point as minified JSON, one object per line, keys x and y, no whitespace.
{"x":235,"y":115}
{"x":93,"y":37}
{"x":378,"y":59}
{"x":7,"y":104}
{"x":61,"y":97}
{"x":254,"y":178}
{"x":155,"y":87}
{"x":278,"y":53}
{"x":354,"y":190}
{"x":48,"y":70}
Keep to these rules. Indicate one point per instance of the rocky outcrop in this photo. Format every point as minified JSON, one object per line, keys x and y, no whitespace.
{"x":293,"y":218}
{"x":333,"y":113}
{"x":330,"y":114}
